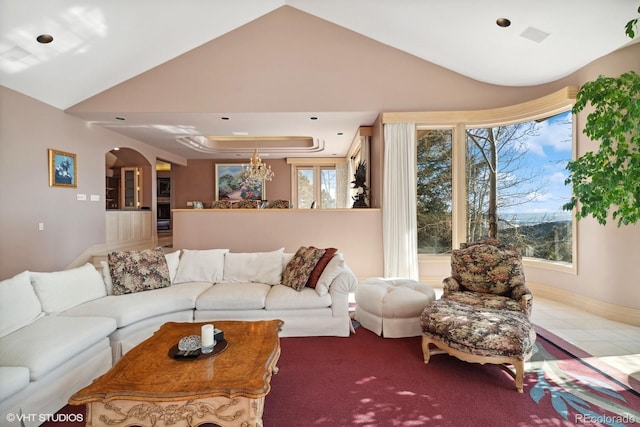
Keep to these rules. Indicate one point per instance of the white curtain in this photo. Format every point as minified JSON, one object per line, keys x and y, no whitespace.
{"x":343,"y":178}
{"x":399,"y":224}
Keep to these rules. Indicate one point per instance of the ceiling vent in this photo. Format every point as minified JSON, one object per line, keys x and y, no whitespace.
{"x":534,"y":35}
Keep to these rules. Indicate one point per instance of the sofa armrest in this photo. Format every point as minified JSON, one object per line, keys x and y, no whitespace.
{"x":450,"y":285}
{"x":344,"y":283}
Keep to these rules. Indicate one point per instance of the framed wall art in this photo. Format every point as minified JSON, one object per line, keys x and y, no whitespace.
{"x":231,"y":186}
{"x":63,"y":169}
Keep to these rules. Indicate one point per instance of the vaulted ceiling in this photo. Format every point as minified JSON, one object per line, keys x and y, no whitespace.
{"x":166,"y":72}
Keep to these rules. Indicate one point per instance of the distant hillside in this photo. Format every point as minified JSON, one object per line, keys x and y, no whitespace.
{"x":547,"y":240}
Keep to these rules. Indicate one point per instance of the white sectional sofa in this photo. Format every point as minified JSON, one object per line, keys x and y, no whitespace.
{"x":61,"y":330}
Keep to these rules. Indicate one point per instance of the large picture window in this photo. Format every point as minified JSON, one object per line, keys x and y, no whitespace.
{"x":434,"y":188}
{"x":497,"y":172}
{"x":514,"y":180}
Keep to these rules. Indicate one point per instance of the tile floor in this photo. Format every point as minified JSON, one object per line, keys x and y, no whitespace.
{"x":615,"y":343}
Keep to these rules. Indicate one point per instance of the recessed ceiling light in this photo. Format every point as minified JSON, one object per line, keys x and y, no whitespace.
{"x":503,"y":22}
{"x":44,"y":38}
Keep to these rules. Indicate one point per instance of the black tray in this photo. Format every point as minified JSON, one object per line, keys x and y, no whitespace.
{"x":217,"y":349}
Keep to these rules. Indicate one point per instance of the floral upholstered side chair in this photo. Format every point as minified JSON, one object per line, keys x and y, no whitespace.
{"x":488,"y":274}
{"x":484,"y":313}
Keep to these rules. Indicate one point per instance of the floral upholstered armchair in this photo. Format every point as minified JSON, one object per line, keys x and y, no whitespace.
{"x":488,"y":274}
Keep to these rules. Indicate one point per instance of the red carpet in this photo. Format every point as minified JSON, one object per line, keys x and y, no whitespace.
{"x":365,"y":380}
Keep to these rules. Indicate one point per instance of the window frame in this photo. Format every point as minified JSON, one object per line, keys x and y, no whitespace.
{"x":550,"y":105}
{"x":317,"y":165}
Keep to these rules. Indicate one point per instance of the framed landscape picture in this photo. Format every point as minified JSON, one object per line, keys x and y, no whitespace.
{"x":231,"y":186}
{"x":63,"y":169}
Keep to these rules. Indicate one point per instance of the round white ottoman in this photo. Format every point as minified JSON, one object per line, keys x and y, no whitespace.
{"x":392,"y":307}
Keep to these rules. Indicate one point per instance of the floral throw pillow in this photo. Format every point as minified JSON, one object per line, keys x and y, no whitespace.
{"x":136,"y":271}
{"x":297,"y":272}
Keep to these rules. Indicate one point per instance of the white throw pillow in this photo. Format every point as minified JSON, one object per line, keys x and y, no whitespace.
{"x":258,"y":267}
{"x":204,"y":265}
{"x":106,"y":276}
{"x":173,"y":260}
{"x":331,"y":271}
{"x":61,"y":290}
{"x":19,"y":304}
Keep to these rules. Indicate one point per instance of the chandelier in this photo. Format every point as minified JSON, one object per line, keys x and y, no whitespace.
{"x":257,"y":172}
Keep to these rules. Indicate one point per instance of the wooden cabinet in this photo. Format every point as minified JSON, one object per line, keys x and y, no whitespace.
{"x":130,"y":188}
{"x":128,"y":226}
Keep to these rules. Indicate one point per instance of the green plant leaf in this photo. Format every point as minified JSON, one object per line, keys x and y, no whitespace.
{"x":607,"y":181}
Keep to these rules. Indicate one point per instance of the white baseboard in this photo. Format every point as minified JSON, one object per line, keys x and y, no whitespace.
{"x":618,"y":313}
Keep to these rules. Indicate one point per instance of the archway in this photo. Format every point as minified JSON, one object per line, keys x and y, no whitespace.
{"x":119,"y":191}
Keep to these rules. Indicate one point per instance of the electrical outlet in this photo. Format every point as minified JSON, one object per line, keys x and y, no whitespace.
{"x":81,"y":197}
{"x":41,"y":226}
{"x":189,"y":204}
{"x":95,"y":198}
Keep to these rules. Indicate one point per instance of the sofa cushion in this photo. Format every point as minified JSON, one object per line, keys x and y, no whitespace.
{"x":204,"y":265}
{"x":139,"y":270}
{"x":297,"y":272}
{"x":234,"y":296}
{"x":320,"y":266}
{"x":14,"y":379}
{"x":130,"y":308}
{"x":61,"y":290}
{"x":173,"y":261}
{"x":50,"y":341}
{"x":106,"y":276}
{"x":283,"y":297}
{"x":331,"y":271}
{"x":258,"y":267}
{"x":19,"y":304}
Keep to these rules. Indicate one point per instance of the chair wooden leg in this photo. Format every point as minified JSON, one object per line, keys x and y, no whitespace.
{"x":519,"y":366}
{"x":425,"y":349}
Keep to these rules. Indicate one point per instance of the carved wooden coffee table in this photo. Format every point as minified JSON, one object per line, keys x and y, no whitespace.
{"x":148,"y":387}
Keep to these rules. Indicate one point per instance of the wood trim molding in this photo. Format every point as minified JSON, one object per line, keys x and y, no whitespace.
{"x":311,"y":161}
{"x":545,"y":106}
{"x":618,"y":313}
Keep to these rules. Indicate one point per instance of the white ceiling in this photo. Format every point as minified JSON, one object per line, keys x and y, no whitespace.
{"x":101,"y":43}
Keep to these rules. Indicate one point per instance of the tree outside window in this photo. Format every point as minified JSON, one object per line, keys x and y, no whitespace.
{"x":316,"y":184}
{"x":514,"y":184}
{"x":434,"y":188}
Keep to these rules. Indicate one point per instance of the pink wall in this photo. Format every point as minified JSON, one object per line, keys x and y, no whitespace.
{"x":196,"y":181}
{"x":351,"y":231}
{"x":27,"y":129}
{"x":608,"y":256}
